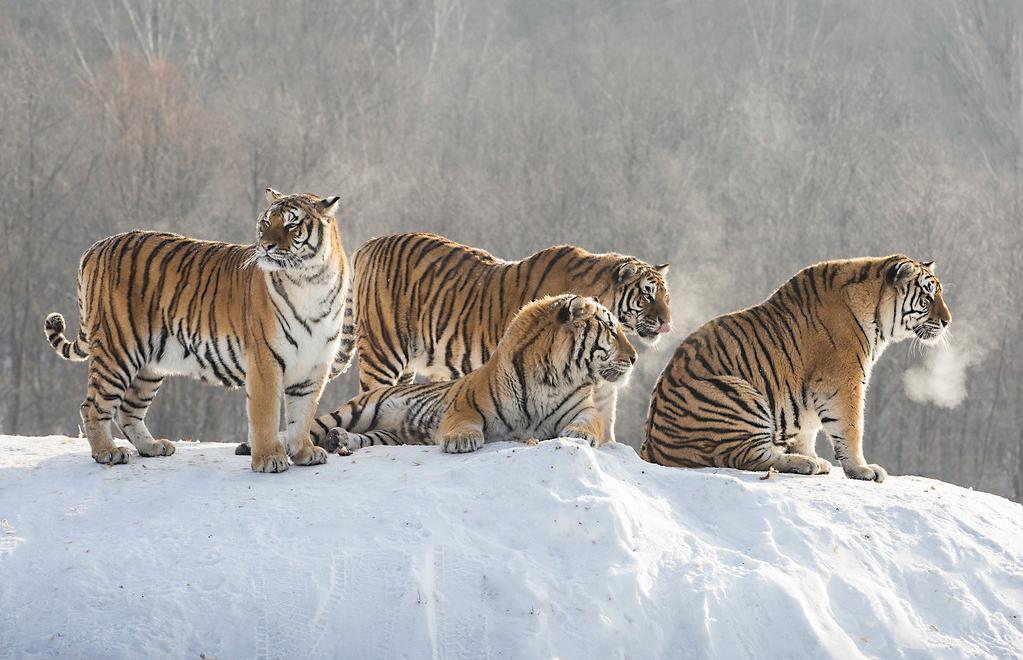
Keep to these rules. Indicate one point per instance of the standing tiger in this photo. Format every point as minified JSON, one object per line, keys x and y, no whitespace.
{"x":267,"y":317}
{"x":537,"y":383}
{"x":751,"y":389}
{"x":424,"y":304}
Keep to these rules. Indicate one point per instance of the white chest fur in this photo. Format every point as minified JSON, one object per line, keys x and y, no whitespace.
{"x":309,"y":312}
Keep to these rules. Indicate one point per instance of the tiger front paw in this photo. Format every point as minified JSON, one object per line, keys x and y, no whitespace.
{"x":112,"y":456}
{"x":158,"y":448}
{"x":581,"y":434}
{"x":866,"y":472}
{"x":823,"y":466}
{"x":276,"y":461}
{"x":462,"y":443}
{"x":310,"y":455}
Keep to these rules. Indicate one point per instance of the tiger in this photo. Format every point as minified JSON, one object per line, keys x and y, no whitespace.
{"x":751,"y":389}
{"x":266,"y":317}
{"x":537,"y":384}
{"x":425,"y":304}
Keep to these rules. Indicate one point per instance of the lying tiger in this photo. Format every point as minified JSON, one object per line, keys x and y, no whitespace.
{"x":538,"y":383}
{"x":751,"y":389}
{"x":266,"y":316}
{"x":427,"y":305}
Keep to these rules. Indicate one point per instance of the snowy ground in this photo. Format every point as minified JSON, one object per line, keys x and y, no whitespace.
{"x":511,"y":552}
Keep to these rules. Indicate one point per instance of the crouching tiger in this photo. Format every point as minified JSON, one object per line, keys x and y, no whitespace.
{"x":267,"y":317}
{"x":751,"y":389}
{"x":537,"y":384}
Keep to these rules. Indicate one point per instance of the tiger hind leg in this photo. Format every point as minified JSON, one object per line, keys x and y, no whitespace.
{"x":379,"y":367}
{"x":805,"y":444}
{"x":132,"y":415}
{"x":722,"y":421}
{"x":106,"y":389}
{"x":760,"y":453}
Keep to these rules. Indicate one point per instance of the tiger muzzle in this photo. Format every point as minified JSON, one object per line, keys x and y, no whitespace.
{"x":618,"y":369}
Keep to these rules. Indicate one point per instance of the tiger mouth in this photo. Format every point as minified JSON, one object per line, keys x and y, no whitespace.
{"x":277,"y":260}
{"x":928,"y":333}
{"x":614,"y":372}
{"x":648,"y":336}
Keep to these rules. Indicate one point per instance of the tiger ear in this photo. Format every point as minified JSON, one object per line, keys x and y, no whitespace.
{"x":328,"y":205}
{"x":626,"y":271}
{"x":272,"y":195}
{"x":662,"y":269}
{"x":565,"y":312}
{"x":574,"y":309}
{"x":898,"y":273}
{"x":929,"y":265}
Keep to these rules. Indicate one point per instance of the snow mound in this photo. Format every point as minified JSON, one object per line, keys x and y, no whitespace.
{"x":513,"y":551}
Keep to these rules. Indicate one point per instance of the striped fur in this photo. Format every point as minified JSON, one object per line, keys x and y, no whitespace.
{"x":424,"y":304}
{"x":751,"y":389}
{"x":266,"y":317}
{"x":537,"y":383}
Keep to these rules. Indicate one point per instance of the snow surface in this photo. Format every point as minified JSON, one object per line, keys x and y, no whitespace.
{"x":557,"y":550}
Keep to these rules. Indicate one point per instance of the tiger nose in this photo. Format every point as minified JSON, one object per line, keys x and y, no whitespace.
{"x":664,"y":327}
{"x":268,"y":245}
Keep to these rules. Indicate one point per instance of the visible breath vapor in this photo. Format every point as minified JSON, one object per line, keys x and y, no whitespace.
{"x":942,"y":378}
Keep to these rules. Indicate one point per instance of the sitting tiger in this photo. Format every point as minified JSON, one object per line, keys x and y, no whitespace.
{"x":751,"y":389}
{"x":537,"y":383}
{"x":424,"y":304}
{"x":267,"y":317}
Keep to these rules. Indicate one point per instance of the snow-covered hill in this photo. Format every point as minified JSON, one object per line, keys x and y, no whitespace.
{"x":511,"y":552}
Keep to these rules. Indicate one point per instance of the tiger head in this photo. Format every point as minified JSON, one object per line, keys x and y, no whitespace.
{"x":569,"y":339}
{"x":641,"y":299}
{"x":918,"y":309}
{"x":294,"y":230}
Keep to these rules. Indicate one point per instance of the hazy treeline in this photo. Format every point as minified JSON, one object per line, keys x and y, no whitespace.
{"x":738,"y":140}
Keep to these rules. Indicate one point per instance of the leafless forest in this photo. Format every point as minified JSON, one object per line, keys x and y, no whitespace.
{"x":738,"y":140}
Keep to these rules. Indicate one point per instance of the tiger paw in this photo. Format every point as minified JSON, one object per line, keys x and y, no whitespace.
{"x":593,"y":440}
{"x":310,"y":455}
{"x":112,"y":456}
{"x":157,"y":448}
{"x":272,"y":462}
{"x":823,"y":466}
{"x":243,"y":449}
{"x":462,"y":443}
{"x":797,"y":464}
{"x":866,"y":472}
